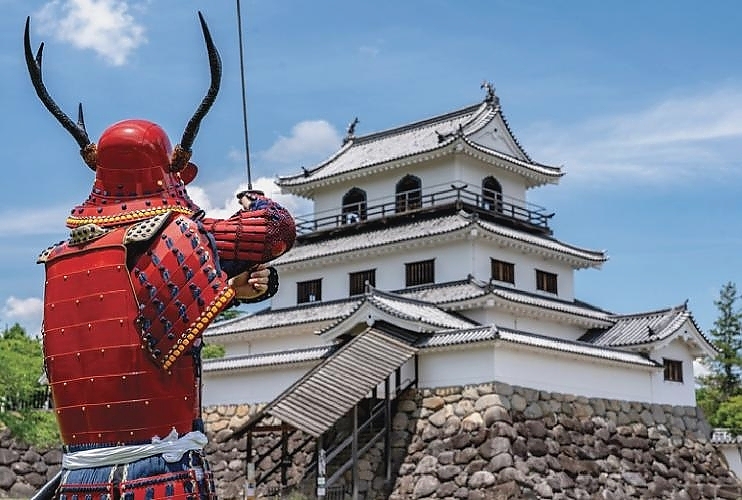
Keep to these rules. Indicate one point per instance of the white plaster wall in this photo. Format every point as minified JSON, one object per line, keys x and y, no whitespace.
{"x":254,"y":386}
{"x":454,"y":260}
{"x":682,"y":393}
{"x":258,"y":345}
{"x":390,"y":271}
{"x":525,"y":268}
{"x":458,"y":367}
{"x":733,"y":454}
{"x":529,"y":368}
{"x":472,"y":171}
{"x":382,"y":186}
{"x":506,"y":319}
{"x":572,"y":375}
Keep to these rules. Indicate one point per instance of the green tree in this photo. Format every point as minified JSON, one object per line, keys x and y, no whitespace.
{"x":723,"y":381}
{"x":21,"y":364}
{"x":729,"y":415}
{"x":212,"y":351}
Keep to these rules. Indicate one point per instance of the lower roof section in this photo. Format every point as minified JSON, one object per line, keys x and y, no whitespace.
{"x":316,"y":401}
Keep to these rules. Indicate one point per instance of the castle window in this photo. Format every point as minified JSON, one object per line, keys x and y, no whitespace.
{"x":357,"y":281}
{"x":503,"y":271}
{"x":673,"y":370}
{"x":546,"y":281}
{"x":309,"y":291}
{"x":354,"y":206}
{"x":491,"y":194}
{"x":419,"y":273}
{"x":408,"y":194}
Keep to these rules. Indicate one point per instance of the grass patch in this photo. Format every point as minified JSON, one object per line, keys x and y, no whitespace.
{"x":35,"y":427}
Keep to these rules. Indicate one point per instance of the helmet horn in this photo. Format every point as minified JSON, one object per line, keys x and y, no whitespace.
{"x":87,"y":149}
{"x":182,"y":151}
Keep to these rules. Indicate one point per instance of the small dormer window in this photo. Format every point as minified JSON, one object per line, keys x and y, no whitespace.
{"x":354,"y":206}
{"x":673,"y":370}
{"x":408,"y":194}
{"x":491,"y":194}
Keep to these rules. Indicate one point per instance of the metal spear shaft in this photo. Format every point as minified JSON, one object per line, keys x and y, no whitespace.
{"x":244,"y":98}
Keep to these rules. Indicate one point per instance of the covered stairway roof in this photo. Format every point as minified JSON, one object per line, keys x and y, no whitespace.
{"x":316,"y":401}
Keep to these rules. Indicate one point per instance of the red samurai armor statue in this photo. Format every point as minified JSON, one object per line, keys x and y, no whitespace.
{"x":127,"y":298}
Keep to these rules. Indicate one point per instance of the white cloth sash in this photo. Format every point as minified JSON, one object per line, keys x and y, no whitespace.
{"x":171,"y":448}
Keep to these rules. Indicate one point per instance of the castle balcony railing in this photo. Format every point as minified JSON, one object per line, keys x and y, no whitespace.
{"x":487,"y":203}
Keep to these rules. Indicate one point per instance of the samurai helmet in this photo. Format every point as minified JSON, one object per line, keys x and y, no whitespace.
{"x":137,"y":172}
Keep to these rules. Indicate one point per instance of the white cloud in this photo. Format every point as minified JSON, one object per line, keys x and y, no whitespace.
{"x":105,"y":26}
{"x":677,"y":139}
{"x":227,"y":202}
{"x":310,"y":141}
{"x":27,"y":312}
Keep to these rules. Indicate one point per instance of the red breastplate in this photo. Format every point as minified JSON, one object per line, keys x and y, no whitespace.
{"x":112,"y":380}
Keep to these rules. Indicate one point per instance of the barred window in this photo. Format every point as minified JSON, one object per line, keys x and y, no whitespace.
{"x":408,"y":194}
{"x":354,"y":206}
{"x":546,"y":281}
{"x":308,"y":291}
{"x":419,"y":273}
{"x":503,"y":271}
{"x":357,"y":281}
{"x":673,"y":370}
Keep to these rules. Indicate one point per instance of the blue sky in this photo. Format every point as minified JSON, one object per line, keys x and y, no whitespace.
{"x":641,"y":102}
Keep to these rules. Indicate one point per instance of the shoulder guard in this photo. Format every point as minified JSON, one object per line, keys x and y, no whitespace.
{"x":146,"y":229}
{"x":79,"y":236}
{"x":85,"y":234}
{"x":44,"y":256}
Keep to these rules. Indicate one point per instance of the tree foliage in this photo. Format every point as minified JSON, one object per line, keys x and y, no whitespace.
{"x":720,"y":391}
{"x":21,"y":365}
{"x":212,"y":351}
{"x":21,"y":393}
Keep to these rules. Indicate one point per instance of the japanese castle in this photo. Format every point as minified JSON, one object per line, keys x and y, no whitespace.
{"x":425,"y":265}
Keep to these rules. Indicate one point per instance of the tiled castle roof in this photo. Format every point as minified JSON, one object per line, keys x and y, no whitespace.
{"x":432,"y":135}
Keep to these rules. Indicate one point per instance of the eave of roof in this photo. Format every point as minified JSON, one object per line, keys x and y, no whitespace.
{"x":428,"y":229}
{"x":270,"y":319}
{"x":470,"y":293}
{"x":268,"y":359}
{"x":414,"y":315}
{"x":452,"y":339}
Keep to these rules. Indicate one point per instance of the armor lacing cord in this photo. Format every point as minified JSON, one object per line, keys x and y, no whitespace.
{"x":172,"y":449}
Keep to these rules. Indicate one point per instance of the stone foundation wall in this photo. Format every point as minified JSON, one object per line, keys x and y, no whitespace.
{"x":25,"y":469}
{"x":496,"y":441}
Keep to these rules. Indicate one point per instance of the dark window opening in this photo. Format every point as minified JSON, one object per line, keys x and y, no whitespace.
{"x":546,"y":281}
{"x":419,"y":273}
{"x":308,"y":291}
{"x":357,"y":281}
{"x":491,"y":194}
{"x":408,"y":194}
{"x":673,"y":370}
{"x":354,"y":206}
{"x":503,"y":271}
